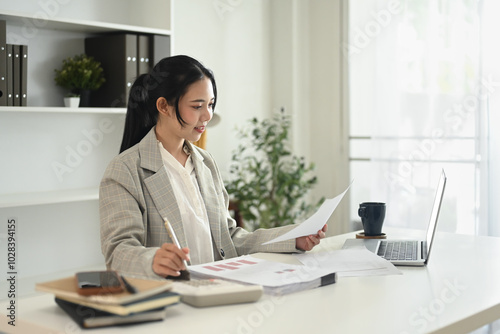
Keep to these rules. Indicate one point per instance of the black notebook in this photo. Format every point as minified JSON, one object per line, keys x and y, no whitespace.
{"x":88,"y":317}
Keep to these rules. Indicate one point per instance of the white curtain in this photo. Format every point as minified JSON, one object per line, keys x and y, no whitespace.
{"x":418,"y":97}
{"x":490,"y":26}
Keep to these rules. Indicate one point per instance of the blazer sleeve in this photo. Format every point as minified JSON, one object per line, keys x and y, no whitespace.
{"x":246,"y":242}
{"x":123,"y":218}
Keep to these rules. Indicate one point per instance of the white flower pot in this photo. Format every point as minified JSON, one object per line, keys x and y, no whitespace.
{"x":72,"y":102}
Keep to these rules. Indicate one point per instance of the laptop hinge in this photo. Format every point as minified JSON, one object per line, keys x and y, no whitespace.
{"x":424,"y":250}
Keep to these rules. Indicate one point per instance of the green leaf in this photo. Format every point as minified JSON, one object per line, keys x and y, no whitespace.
{"x":80,"y":72}
{"x":267,"y":181}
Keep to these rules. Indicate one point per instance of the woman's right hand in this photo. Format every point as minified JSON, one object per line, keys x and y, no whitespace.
{"x":168,"y":260}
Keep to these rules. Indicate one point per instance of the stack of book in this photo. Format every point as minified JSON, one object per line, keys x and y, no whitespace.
{"x":13,"y":71}
{"x":148,"y":303}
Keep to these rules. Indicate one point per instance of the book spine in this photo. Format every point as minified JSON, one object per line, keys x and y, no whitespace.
{"x":131,"y":62}
{"x":3,"y":63}
{"x":143,"y":54}
{"x":10,"y":75}
{"x":118,"y":57}
{"x":160,"y":48}
{"x":16,"y":77}
{"x":73,"y":310}
{"x":24,"y":75}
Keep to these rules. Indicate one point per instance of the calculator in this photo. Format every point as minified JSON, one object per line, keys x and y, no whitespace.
{"x":212,"y":292}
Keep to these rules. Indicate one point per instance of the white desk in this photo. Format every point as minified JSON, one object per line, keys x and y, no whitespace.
{"x":447,"y":296}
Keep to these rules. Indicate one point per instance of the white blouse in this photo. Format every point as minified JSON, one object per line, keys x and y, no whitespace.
{"x":191,"y":205}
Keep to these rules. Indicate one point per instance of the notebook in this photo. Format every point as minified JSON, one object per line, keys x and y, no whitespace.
{"x":88,"y":317}
{"x":406,"y":252}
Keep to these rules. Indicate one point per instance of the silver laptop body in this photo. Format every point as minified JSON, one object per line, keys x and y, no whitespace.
{"x":398,"y":251}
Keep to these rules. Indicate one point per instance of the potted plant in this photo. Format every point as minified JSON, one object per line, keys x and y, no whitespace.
{"x":268,"y":184}
{"x":80,"y":75}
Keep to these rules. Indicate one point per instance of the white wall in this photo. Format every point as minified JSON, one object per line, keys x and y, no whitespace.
{"x":130,"y":12}
{"x":329,"y":119}
{"x":272,"y":54}
{"x":232,"y":41}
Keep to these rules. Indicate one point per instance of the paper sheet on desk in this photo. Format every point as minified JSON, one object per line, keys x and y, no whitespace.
{"x":349,"y":262}
{"x":253,"y":270}
{"x":314,"y":223}
{"x":282,"y":278}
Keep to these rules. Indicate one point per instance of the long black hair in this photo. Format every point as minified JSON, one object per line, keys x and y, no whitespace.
{"x":170,"y":78}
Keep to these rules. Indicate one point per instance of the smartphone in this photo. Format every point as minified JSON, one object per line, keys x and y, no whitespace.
{"x":98,"y":282}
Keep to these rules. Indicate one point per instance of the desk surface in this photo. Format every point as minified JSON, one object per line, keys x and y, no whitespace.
{"x":453,"y":294}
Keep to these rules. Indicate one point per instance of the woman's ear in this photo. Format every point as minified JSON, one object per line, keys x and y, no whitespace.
{"x":163,"y":106}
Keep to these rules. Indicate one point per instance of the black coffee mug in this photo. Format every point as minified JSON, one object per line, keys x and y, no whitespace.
{"x":372,"y":216}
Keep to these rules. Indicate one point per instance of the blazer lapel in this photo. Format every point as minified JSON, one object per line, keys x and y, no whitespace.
{"x":159,"y":186}
{"x":209,"y":194}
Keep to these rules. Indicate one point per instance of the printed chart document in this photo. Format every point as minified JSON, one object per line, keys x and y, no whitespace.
{"x":275,"y":277}
{"x":281,"y":278}
{"x":314,"y":223}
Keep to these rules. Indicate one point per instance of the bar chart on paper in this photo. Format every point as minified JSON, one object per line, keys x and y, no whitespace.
{"x":275,"y":277}
{"x":286,"y":278}
{"x":232,"y":265}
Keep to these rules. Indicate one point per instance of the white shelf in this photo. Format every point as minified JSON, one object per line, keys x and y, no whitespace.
{"x":63,"y":110}
{"x":48,"y":197}
{"x":81,"y":25}
{"x":44,"y":132}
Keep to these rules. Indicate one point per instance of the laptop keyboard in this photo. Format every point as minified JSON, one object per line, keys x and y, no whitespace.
{"x":398,"y":250}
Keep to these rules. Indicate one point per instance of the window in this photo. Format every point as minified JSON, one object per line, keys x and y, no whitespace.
{"x":419,"y":103}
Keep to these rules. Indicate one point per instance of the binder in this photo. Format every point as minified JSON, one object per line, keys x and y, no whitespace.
{"x":160,"y":47}
{"x":24,"y":75}
{"x":118,"y":56}
{"x":143,"y":54}
{"x":16,"y":75}
{"x":10,"y":75}
{"x":3,"y":63}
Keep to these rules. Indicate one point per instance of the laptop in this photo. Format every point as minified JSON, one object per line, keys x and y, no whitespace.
{"x":406,"y":252}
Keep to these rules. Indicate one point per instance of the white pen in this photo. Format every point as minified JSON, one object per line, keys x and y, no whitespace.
{"x":172,"y":235}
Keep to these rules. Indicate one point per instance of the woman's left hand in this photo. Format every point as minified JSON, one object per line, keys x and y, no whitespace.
{"x":308,"y":242}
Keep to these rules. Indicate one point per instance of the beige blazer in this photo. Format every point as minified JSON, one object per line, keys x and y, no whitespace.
{"x":135,"y":194}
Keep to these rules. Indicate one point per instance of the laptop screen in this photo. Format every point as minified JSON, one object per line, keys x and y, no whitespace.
{"x":435,"y":212}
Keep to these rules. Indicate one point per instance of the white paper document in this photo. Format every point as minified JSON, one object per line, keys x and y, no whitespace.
{"x":349,"y":262}
{"x":314,"y":223}
{"x":276,"y":277}
{"x":281,"y":278}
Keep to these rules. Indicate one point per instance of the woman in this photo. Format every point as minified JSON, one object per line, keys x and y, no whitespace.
{"x":160,"y":176}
